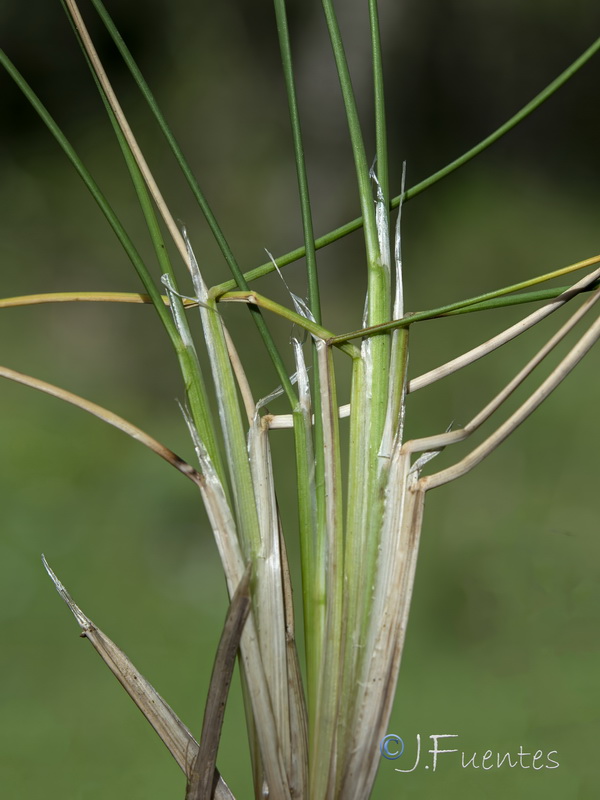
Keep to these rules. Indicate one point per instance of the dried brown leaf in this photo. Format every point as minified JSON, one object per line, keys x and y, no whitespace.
{"x":175,"y":735}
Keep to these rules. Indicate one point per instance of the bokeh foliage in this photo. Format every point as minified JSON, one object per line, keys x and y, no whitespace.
{"x":502,"y":647}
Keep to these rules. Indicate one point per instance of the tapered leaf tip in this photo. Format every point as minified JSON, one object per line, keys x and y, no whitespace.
{"x":83,"y":621}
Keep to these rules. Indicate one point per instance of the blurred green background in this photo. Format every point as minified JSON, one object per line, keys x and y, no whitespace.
{"x":502,"y":647}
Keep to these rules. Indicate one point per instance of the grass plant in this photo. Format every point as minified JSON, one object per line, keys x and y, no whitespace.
{"x":314,"y":728}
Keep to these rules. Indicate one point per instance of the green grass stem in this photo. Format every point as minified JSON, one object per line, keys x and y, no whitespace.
{"x":310,"y":466}
{"x":381,"y":147}
{"x":413,"y":191}
{"x":494,"y":299}
{"x":238,"y":275}
{"x":94,"y":189}
{"x":195,"y":387}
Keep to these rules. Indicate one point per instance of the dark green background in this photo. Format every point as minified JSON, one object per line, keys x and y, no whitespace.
{"x":502,"y":647}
